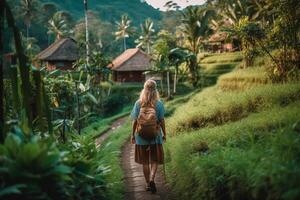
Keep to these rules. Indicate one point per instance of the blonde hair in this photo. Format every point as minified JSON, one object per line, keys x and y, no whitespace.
{"x":149,"y":95}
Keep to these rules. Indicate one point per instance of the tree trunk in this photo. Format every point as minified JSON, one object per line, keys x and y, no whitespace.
{"x":161,"y":83}
{"x":27,"y":32}
{"x":148,"y":48}
{"x":78,"y":109}
{"x":86,"y":33}
{"x":23,"y":65}
{"x":175,"y":81}
{"x":194,"y":72}
{"x":124,"y":40}
{"x":2,"y":134}
{"x":168,"y":83}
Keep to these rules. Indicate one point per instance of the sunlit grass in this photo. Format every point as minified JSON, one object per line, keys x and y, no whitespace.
{"x":241,"y":79}
{"x":237,"y":159}
{"x":214,"y":107}
{"x":222,"y":58}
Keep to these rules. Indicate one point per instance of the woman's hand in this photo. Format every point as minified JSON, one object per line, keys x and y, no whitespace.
{"x":132,"y":139}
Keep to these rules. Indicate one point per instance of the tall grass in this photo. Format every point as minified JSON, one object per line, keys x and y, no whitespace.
{"x":254,"y":158}
{"x":242,"y":79}
{"x":98,"y":127}
{"x":109,"y":155}
{"x":214,"y":107}
{"x":211,"y":72}
{"x":222,"y":58}
{"x":236,"y":140}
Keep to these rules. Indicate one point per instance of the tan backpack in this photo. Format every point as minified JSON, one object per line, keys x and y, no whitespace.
{"x":148,"y":126}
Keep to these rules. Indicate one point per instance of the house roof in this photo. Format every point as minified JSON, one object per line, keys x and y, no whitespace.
{"x":131,"y":60}
{"x":218,"y":37}
{"x":64,"y":49}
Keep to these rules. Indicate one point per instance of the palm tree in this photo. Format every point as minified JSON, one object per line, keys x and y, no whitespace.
{"x":177,"y":56}
{"x":145,"y":40}
{"x":160,"y":66}
{"x":195,"y":27}
{"x":123,"y":29}
{"x":58,"y":26}
{"x":28,"y":10}
{"x":48,"y":10}
{"x":235,"y":10}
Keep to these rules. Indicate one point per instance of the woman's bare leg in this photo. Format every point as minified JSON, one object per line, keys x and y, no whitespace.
{"x":153,"y":170}
{"x":146,"y":171}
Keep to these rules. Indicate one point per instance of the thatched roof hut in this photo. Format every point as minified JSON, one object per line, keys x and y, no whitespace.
{"x":60,"y":55}
{"x":130,"y":66}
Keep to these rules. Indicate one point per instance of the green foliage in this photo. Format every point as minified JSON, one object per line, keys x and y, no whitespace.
{"x":123,"y":29}
{"x":59,"y":26}
{"x":118,"y":97}
{"x":195,"y":27}
{"x":110,"y":155}
{"x":146,"y":39}
{"x":246,"y":31}
{"x":111,"y":11}
{"x":35,"y":169}
{"x":98,"y":127}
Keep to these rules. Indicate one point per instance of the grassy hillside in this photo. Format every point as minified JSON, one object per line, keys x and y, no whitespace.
{"x":214,"y":65}
{"x":237,"y":140}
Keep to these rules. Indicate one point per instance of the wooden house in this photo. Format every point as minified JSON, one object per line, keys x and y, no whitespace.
{"x":62,"y":54}
{"x":218,"y":42}
{"x":130,"y":66}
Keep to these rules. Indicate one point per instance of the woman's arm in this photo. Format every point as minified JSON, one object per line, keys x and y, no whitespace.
{"x":163,"y":127}
{"x":134,"y":124}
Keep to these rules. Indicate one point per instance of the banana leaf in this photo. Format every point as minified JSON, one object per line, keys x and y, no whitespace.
{"x":14,"y":189}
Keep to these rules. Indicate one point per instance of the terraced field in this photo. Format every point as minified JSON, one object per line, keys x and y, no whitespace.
{"x":238,"y":139}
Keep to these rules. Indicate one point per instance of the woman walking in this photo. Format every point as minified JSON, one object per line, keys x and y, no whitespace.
{"x":148,"y":132}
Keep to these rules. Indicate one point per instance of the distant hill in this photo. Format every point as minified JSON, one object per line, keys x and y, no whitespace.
{"x":110,"y":10}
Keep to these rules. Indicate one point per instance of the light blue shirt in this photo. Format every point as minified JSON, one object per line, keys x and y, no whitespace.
{"x":160,"y":112}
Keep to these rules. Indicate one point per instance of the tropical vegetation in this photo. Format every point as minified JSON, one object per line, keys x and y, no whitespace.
{"x":232,"y":104}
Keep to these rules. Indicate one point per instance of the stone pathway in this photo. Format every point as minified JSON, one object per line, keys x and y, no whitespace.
{"x":135,"y":182}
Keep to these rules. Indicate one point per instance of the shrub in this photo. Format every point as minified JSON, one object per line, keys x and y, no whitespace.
{"x":36,"y":169}
{"x":119,"y":96}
